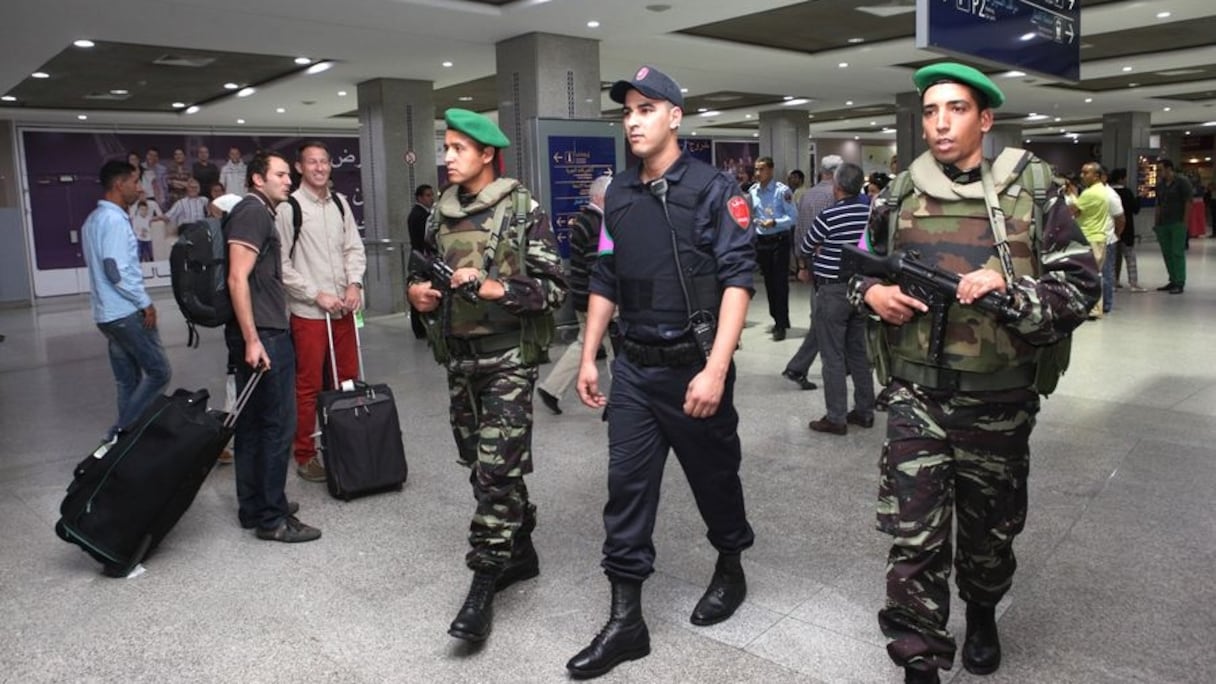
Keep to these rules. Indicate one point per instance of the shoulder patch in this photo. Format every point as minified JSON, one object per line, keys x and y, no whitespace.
{"x":737,"y":206}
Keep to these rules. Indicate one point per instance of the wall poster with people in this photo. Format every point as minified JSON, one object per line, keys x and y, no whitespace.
{"x":737,"y":158}
{"x":61,"y":172}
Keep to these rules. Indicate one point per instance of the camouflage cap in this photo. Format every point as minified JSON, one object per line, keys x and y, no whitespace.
{"x":953,"y":72}
{"x":477,"y":127}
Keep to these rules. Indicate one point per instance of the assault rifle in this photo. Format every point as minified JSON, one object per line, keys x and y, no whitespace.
{"x":937,"y":288}
{"x":440,"y":274}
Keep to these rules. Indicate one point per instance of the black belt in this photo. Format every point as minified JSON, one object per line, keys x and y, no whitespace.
{"x":820,"y":282}
{"x":1017,"y":377}
{"x":773,"y":237}
{"x":482,"y":346}
{"x":682,"y":353}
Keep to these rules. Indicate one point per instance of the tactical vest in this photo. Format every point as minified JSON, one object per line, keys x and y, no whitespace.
{"x":649,"y":292}
{"x":948,"y":225}
{"x":462,"y":234}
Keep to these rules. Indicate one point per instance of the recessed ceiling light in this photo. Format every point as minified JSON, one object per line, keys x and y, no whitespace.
{"x":40,"y":74}
{"x":712,"y":112}
{"x":119,"y":91}
{"x":694,"y":132}
{"x":245,"y":92}
{"x":1089,"y":99}
{"x":1166,"y":109}
{"x":848,"y":103}
{"x":1057,"y":119}
{"x":795,"y":102}
{"x":86,"y":43}
{"x":341,"y":93}
{"x":1188,"y":132}
{"x":465,"y":98}
{"x":1132,"y":85}
{"x":1027,"y":139}
{"x":1027,"y":36}
{"x":702,"y":109}
{"x":683,"y":90}
{"x":788,"y":97}
{"x":857,"y":137}
{"x":1014,"y":74}
{"x":231,"y":86}
{"x":855,"y":41}
{"x":1210,"y":123}
{"x":240,"y":121}
{"x":8,"y":98}
{"x":82,"y":117}
{"x":447,"y":64}
{"x":1127,"y":68}
{"x":593,"y":24}
{"x":303,"y":60}
{"x":192,"y":109}
{"x":1163,"y":15}
{"x":873,"y":123}
{"x":178,"y":105}
{"x":843,"y":65}
{"x":745,"y":116}
{"x":318,"y":67}
{"x":1063,"y":130}
{"x":280,"y":110}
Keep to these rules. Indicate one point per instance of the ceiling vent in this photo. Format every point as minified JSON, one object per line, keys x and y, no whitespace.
{"x":175,"y":60}
{"x":889,"y":9}
{"x":1180,"y":72}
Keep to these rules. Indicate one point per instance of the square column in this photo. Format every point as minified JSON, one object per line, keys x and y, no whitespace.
{"x":1122,"y":134}
{"x":397,"y":148}
{"x":784,"y":136}
{"x":909,"y":131}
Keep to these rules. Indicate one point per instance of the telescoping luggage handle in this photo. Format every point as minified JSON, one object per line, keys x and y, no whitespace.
{"x":243,"y":398}
{"x":333,"y":355}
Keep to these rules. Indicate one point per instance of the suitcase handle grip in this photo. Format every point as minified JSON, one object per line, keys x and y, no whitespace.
{"x":333,"y":354}
{"x":243,"y":398}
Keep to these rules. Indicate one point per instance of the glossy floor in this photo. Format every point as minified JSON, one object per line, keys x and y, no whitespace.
{"x":1114,"y":585}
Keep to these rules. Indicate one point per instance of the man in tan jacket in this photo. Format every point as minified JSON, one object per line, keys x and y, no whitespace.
{"x":323,"y":266}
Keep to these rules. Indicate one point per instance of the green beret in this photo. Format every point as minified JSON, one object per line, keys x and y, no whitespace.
{"x":476,"y":127}
{"x":953,"y":72}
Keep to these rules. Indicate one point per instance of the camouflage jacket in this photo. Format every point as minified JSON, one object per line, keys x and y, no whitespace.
{"x":526,"y":259}
{"x":1055,"y":276}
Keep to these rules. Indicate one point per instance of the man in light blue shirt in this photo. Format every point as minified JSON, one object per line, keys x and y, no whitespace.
{"x":773,"y":216}
{"x":122,"y":308}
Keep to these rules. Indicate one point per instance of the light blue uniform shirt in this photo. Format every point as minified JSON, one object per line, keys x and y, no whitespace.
{"x":112,"y":255}
{"x":772,"y":202}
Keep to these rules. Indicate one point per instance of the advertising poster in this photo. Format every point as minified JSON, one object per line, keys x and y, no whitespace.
{"x":737,"y":158}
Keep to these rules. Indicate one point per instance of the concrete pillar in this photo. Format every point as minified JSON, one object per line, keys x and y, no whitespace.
{"x":1171,"y":147}
{"x":542,"y":75}
{"x":784,"y":137}
{"x":15,"y":259}
{"x":1002,"y":136}
{"x":397,"y":149}
{"x":909,"y":134}
{"x":1122,"y":134}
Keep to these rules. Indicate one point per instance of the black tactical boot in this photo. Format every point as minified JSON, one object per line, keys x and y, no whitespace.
{"x":624,"y":637}
{"x":982,"y":649}
{"x":915,"y":676}
{"x":524,"y":564}
{"x":726,"y":592}
{"x":476,"y":616}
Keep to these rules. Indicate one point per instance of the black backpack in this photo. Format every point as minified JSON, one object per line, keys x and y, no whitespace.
{"x":198,"y":270}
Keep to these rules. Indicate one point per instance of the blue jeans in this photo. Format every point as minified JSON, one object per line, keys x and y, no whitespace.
{"x":141,"y":369}
{"x":1108,"y":278}
{"x":265,"y":430}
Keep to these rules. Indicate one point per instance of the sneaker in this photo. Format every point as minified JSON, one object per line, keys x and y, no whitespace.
{"x":290,"y":531}
{"x":225,"y":457}
{"x":799,"y":380}
{"x":312,"y":471}
{"x":1136,"y":288}
{"x":293,"y":507}
{"x":549,"y":401}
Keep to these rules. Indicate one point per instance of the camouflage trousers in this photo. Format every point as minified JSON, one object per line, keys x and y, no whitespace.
{"x":949,"y":455}
{"x":491,"y":414}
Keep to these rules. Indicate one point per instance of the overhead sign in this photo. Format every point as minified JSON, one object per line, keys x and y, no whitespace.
{"x":575,"y":161}
{"x":1041,"y":36}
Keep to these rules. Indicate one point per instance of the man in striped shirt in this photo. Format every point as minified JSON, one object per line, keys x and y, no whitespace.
{"x":839,"y":328}
{"x":191,"y":208}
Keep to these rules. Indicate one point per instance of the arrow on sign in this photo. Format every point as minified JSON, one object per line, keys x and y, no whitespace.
{"x":557,"y":157}
{"x":1069,"y":32}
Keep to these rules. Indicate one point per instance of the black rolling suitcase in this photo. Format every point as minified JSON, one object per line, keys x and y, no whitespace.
{"x":360,"y":434}
{"x":129,"y":493}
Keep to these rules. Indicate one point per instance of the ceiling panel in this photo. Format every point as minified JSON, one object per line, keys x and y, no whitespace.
{"x":815,"y":26}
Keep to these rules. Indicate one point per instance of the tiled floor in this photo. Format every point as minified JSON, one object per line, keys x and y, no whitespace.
{"x":1114,"y":585}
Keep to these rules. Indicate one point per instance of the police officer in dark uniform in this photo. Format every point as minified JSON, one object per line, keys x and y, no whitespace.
{"x":677,"y":259}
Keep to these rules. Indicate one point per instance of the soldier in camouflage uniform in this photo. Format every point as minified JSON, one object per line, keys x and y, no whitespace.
{"x":958,"y":427}
{"x":500,"y":247}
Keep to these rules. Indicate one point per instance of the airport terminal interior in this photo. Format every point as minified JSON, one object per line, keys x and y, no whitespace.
{"x":1114,"y":566}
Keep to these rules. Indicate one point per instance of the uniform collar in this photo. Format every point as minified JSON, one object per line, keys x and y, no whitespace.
{"x":673,"y":174}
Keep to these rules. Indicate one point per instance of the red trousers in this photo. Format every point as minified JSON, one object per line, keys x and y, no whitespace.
{"x":313,"y":373}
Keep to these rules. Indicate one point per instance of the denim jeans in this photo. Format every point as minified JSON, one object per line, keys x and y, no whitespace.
{"x":1108,"y":277}
{"x":141,"y":369}
{"x":265,"y":430}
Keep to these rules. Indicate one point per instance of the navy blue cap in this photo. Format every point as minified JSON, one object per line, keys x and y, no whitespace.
{"x":652,"y":83}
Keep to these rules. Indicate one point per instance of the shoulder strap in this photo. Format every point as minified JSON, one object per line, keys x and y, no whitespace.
{"x":996,"y":215}
{"x":520,"y":204}
{"x":297,"y":220}
{"x":897,"y":192}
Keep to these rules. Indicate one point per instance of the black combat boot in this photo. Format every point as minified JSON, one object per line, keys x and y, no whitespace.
{"x":725,"y":593}
{"x":624,"y":637}
{"x":524,"y":563}
{"x":982,"y":649}
{"x":476,"y":616}
{"x":915,"y":676}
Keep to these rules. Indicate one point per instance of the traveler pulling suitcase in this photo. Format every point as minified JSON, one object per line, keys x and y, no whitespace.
{"x":130,"y":492}
{"x":360,"y":434}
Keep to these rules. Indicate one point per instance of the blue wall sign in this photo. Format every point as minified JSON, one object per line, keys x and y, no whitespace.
{"x":1043,"y":36}
{"x":575,"y":161}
